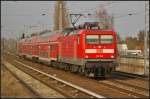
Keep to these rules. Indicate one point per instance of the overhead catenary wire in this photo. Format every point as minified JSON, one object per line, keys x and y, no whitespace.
{"x":129,"y":14}
{"x":106,"y":4}
{"x":118,"y":15}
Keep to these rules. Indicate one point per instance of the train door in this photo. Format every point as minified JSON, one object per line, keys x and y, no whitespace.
{"x":49,"y":50}
{"x":54,"y":52}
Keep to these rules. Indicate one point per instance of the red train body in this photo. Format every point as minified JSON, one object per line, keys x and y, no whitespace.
{"x":91,"y":52}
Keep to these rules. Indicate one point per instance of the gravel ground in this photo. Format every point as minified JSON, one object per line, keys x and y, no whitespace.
{"x":37,"y":86}
{"x":78,"y":80}
{"x":11,"y":87}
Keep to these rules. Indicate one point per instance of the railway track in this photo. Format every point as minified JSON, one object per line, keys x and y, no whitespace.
{"x":127,"y":88}
{"x":130,"y":79}
{"x":130,"y":83}
{"x":129,"y":75}
{"x":36,"y":86}
{"x":33,"y":92}
{"x":65,"y":88}
{"x":106,"y":89}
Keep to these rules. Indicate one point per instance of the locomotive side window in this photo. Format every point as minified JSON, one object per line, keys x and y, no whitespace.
{"x":106,"y":39}
{"x":92,"y":39}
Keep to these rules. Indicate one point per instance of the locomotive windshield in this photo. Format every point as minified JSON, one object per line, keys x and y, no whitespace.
{"x":106,"y":39}
{"x":92,"y":39}
{"x":99,"y":39}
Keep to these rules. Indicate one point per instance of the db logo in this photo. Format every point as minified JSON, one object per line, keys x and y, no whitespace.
{"x":99,"y":51}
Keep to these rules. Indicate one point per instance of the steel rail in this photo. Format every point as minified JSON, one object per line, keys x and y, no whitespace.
{"x":140,"y":77}
{"x":24,"y":84}
{"x":64,"y":82}
{"x":133,"y":91}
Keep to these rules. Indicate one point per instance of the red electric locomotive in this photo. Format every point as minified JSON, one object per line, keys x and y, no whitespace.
{"x":92,"y":52}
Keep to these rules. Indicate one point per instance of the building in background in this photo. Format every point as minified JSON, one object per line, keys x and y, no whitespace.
{"x":61,"y":16}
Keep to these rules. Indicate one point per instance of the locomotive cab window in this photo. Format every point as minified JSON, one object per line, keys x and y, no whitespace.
{"x":92,"y":39}
{"x":106,"y":39}
{"x":99,"y":39}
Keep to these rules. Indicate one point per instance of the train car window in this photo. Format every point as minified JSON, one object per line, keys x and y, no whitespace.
{"x":106,"y":39}
{"x":92,"y":39}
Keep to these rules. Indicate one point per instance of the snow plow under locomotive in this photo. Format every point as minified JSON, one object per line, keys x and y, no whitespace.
{"x":92,"y":52}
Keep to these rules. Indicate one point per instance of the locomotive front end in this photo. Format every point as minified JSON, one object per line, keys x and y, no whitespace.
{"x":100,"y":53}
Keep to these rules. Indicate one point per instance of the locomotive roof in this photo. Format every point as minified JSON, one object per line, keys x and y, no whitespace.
{"x":53,"y":36}
{"x":79,"y":31}
{"x":100,"y":30}
{"x":49,"y":36}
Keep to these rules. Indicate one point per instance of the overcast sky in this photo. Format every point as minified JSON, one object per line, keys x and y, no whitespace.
{"x":16,"y":17}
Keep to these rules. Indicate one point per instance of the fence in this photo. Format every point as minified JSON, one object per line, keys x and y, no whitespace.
{"x":133,"y":64}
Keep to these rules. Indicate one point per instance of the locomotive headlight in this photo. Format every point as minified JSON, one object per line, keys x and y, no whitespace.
{"x":101,"y":56}
{"x":86,"y":56}
{"x":108,"y":50}
{"x":112,"y":56}
{"x":90,"y":50}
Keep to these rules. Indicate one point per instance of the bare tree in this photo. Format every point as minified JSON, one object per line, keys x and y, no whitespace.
{"x":105,"y":20}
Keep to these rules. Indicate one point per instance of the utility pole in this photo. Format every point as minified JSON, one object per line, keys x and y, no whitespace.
{"x":60,"y":17}
{"x":145,"y":39}
{"x":112,"y":22}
